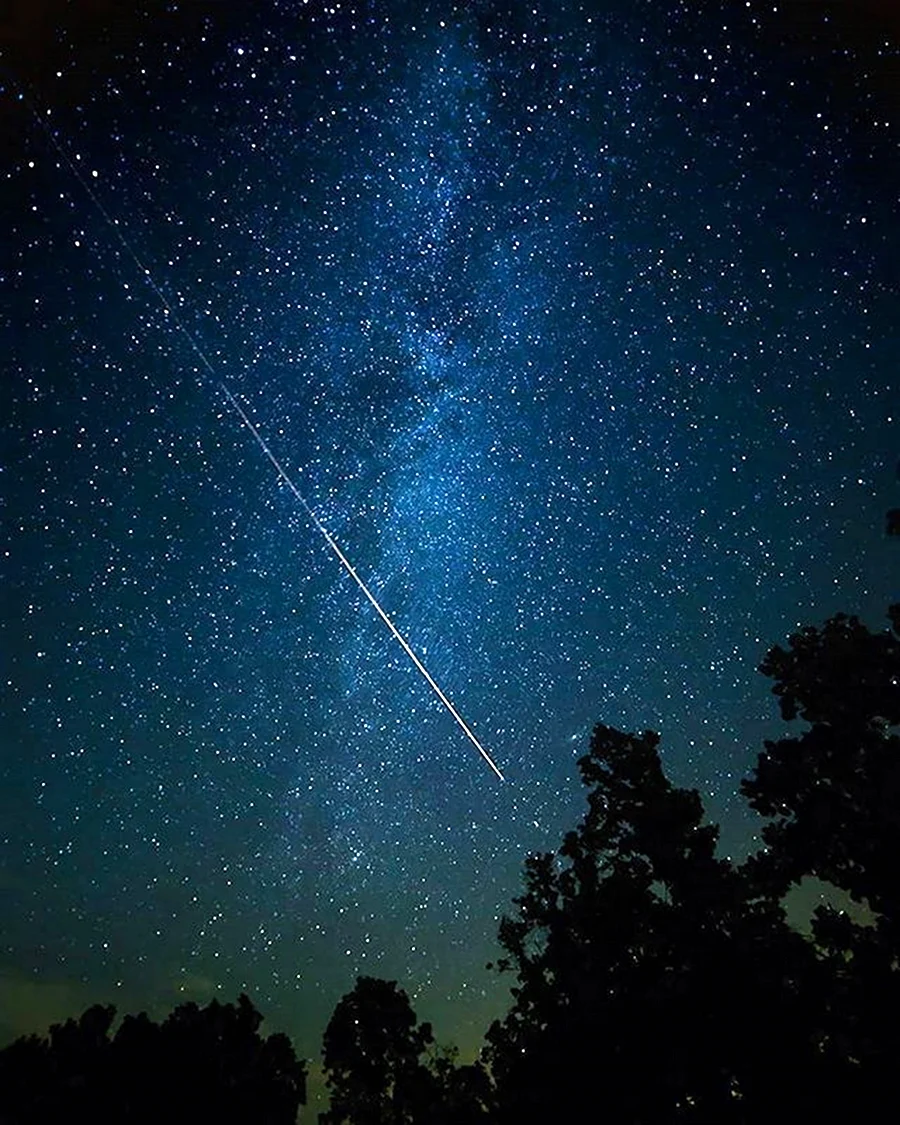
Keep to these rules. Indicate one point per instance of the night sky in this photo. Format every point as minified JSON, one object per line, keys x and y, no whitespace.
{"x":575,"y":323}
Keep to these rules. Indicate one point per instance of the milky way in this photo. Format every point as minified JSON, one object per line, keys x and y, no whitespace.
{"x":575,"y":326}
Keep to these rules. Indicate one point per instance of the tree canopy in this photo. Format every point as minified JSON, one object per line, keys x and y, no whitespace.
{"x":200,"y":1064}
{"x":382,"y":1068}
{"x":832,"y":793}
{"x":662,"y":983}
{"x":645,"y":973}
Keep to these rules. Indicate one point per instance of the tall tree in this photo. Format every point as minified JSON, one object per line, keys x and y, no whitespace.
{"x":831,"y":795}
{"x":646,"y":978}
{"x":372,"y":1051}
{"x":383,"y":1067}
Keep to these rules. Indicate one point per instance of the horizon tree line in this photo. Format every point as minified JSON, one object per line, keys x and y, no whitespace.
{"x":654,"y":982}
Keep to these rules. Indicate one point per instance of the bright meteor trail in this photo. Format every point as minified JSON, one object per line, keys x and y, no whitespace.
{"x":350,"y":569}
{"x":261,"y":442}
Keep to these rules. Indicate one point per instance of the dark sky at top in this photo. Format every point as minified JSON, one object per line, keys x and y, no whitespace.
{"x":576,"y":324}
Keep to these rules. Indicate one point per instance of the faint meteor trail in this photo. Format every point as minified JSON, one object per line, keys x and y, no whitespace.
{"x":174,"y":319}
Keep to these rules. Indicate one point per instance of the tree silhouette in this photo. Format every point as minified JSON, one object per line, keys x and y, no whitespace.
{"x":43,"y":1078}
{"x":832,"y":799}
{"x":832,"y":794}
{"x":229,"y":1072}
{"x":464,"y":1094}
{"x":383,"y":1069}
{"x":372,"y":1052}
{"x":200,"y":1064}
{"x":647,"y":977}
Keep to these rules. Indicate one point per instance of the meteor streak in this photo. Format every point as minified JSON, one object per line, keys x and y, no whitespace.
{"x":174,"y":319}
{"x":351,"y":570}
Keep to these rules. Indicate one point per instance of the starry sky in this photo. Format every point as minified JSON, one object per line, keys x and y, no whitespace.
{"x":576,"y":325}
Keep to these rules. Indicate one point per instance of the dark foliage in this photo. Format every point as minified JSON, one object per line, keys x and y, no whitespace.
{"x":832,"y":799}
{"x":378,"y":1071}
{"x":200,"y":1064}
{"x":372,"y":1053}
{"x":832,"y":793}
{"x":648,"y":982}
{"x":461,"y":1095}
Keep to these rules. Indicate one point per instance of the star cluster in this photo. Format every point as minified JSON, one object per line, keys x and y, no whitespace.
{"x":575,"y":325}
